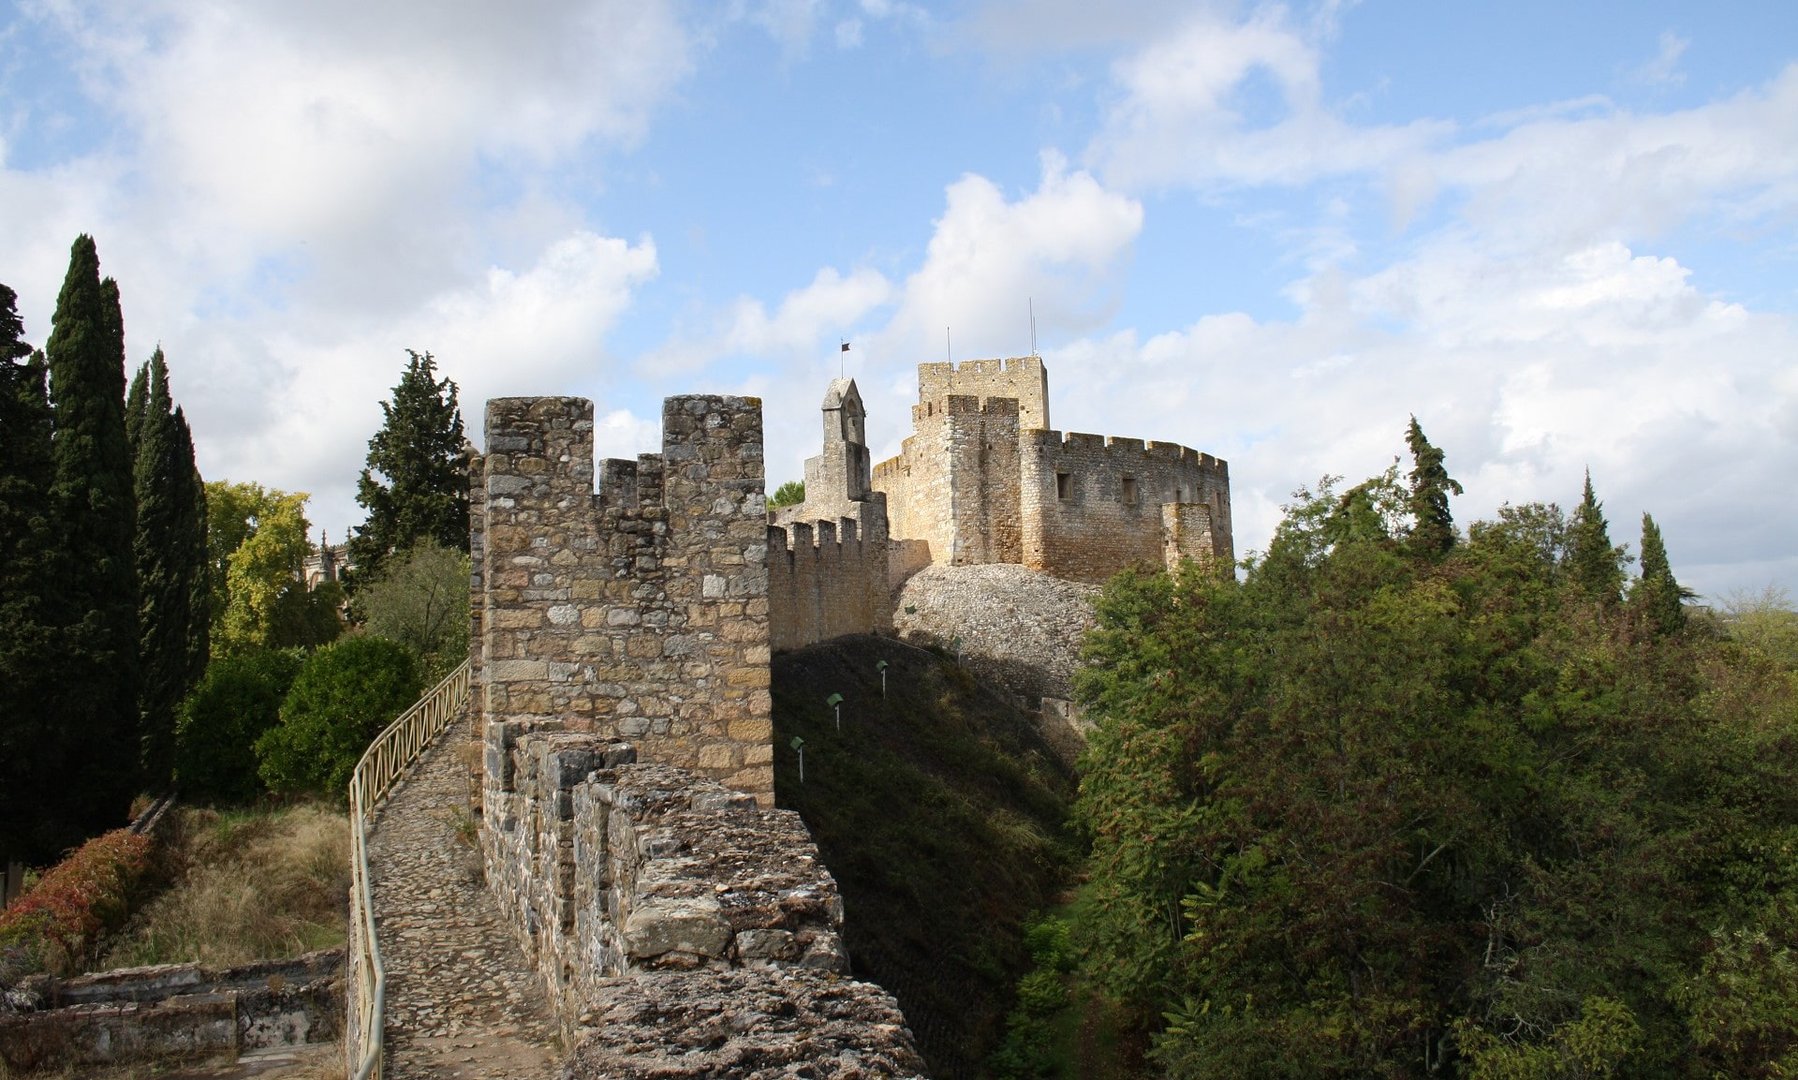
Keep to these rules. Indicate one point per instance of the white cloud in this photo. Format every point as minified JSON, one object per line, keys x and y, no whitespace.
{"x":297,"y":192}
{"x":1681,"y":404}
{"x":989,"y":258}
{"x":539,"y":330}
{"x":1663,"y":70}
{"x":1191,"y":109}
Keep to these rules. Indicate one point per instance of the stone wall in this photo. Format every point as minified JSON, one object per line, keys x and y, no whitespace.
{"x":983,"y":479}
{"x":640,"y":612}
{"x":1092,"y":506}
{"x":955,"y":483}
{"x":628,"y":882}
{"x":826,"y":580}
{"x":1021,"y":378}
{"x":172,"y":1012}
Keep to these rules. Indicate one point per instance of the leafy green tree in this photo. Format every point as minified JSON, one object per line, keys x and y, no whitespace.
{"x":1375,"y":811}
{"x":791,"y":493}
{"x":257,"y":548}
{"x":1592,"y":562}
{"x":218,"y":725}
{"x":93,"y":492}
{"x":173,"y":618}
{"x":420,"y":599}
{"x":1433,"y":526}
{"x":1765,"y":623}
{"x":1657,"y":595}
{"x":415,"y":486}
{"x":35,"y":739}
{"x":345,"y":694}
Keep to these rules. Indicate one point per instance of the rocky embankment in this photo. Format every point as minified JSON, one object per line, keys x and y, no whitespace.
{"x":1014,"y":627}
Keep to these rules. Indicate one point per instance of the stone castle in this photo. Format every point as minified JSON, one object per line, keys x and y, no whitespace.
{"x":981,"y":479}
{"x":620,"y":665}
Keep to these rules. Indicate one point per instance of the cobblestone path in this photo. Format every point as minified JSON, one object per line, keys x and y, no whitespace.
{"x":461,"y":1004}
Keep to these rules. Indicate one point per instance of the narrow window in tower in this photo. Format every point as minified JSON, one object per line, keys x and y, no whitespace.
{"x":1064,"y":485}
{"x":1129,"y":491}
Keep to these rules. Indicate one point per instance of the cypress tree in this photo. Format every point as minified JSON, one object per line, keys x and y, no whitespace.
{"x":36,"y":809}
{"x":94,"y":504}
{"x":171,"y":567}
{"x":1656,"y":594}
{"x":1594,"y":565}
{"x":136,"y":405}
{"x":1433,"y":526}
{"x":415,"y":485}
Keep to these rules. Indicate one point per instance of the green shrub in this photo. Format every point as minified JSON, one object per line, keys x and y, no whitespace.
{"x":219,"y":723}
{"x":59,"y":922}
{"x":344,"y":695}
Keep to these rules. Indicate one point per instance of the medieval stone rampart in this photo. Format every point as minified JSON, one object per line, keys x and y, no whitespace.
{"x":983,"y":479}
{"x":639,"y":612}
{"x":1093,"y":505}
{"x":1021,"y":378}
{"x":634,"y":623}
{"x":954,"y":484}
{"x":825,"y":580}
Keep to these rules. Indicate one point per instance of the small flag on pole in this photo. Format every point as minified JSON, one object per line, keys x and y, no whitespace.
{"x":845,"y":346}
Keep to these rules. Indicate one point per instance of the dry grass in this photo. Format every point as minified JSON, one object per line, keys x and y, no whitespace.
{"x":254,"y":885}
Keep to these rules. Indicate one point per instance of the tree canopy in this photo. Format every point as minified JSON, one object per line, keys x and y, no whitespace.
{"x":790,"y":493}
{"x":1377,"y":810}
{"x":174,"y":594}
{"x":95,"y":510}
{"x":420,"y":600}
{"x":415,"y":485}
{"x":257,"y":549}
{"x":34,"y":741}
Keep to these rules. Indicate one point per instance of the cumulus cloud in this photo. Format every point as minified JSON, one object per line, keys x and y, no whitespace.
{"x":988,"y":256}
{"x":1194,"y":108}
{"x":291,"y":194}
{"x":1680,"y":403}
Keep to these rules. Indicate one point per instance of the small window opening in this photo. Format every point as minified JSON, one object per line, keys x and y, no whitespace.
{"x":1064,"y":485}
{"x":1129,"y":491}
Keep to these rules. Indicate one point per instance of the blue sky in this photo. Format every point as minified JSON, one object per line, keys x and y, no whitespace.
{"x":1564,"y":236}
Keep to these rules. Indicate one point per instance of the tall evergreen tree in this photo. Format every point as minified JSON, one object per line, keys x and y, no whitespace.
{"x":1656,"y":594}
{"x":172,"y":565}
{"x":1433,"y":528}
{"x":1592,"y":562}
{"x":415,"y":486}
{"x":94,"y":503}
{"x":36,"y":812}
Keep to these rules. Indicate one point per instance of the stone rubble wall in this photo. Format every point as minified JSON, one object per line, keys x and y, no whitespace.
{"x":983,"y":479}
{"x":627,"y":882}
{"x":955,"y":483}
{"x":639,"y":612}
{"x":176,"y":1012}
{"x":1024,"y":379}
{"x":834,"y":586}
{"x":1092,"y":505}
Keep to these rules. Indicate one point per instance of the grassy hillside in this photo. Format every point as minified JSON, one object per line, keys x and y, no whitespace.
{"x":941,"y":813}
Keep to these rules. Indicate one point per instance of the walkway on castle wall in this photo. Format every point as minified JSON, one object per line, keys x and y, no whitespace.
{"x":461,"y":1003}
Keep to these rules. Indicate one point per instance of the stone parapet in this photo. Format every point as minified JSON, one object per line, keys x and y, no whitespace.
{"x":639,"y":611}
{"x":608,"y":869}
{"x":826,"y":580}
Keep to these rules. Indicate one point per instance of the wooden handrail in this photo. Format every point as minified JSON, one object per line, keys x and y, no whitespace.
{"x":382,"y":764}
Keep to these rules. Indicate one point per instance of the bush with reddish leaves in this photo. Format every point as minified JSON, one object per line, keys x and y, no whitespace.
{"x":58,"y":924}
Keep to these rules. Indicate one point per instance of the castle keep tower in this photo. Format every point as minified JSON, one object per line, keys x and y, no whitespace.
{"x":983,"y":479}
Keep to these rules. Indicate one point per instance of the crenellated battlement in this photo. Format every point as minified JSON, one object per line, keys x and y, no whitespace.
{"x":639,"y":611}
{"x":1022,"y":379}
{"x":826,"y":579}
{"x":983,"y":478}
